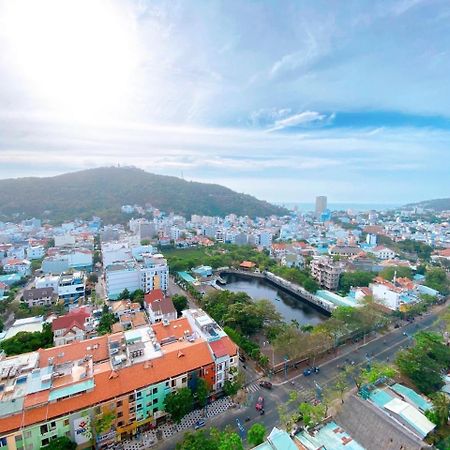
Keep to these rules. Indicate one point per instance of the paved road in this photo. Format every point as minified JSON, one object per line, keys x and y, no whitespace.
{"x":380,"y":349}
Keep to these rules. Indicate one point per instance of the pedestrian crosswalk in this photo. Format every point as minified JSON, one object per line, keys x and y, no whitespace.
{"x":255,"y":387}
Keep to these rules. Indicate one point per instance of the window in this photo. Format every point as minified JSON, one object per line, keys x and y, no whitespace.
{"x":139,"y":406}
{"x":45,"y":442}
{"x":167,"y":384}
{"x":44,"y":429}
{"x":138,"y":394}
{"x":184,"y":379}
{"x":119,"y":403}
{"x":52,"y":425}
{"x":132,"y":410}
{"x":174,"y":382}
{"x":66,"y":422}
{"x":119,"y":414}
{"x":155,"y":391}
{"x":27,"y":434}
{"x":131,"y":398}
{"x":155,"y":401}
{"x":120,"y":424}
{"x":155,"y":410}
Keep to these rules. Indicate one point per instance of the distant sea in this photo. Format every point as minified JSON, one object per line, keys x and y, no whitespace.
{"x":357,"y":207}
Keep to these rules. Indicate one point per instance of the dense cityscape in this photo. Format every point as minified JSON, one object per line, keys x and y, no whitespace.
{"x":277,"y":331}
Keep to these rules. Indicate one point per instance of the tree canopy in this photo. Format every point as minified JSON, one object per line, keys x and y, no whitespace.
{"x":425,"y":362}
{"x":211,"y":439}
{"x":61,"y":443}
{"x":24,"y":342}
{"x":179,"y":403}
{"x":256,"y":434}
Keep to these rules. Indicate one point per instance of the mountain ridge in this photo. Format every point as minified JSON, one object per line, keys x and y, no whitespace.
{"x":438,"y":204}
{"x":102,"y":191}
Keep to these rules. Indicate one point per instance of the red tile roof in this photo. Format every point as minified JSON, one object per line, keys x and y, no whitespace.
{"x":156,"y":294}
{"x":223,"y":347}
{"x":76,"y":317}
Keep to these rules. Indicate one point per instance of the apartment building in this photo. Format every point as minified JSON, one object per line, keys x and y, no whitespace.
{"x":103,"y":390}
{"x":152,"y":273}
{"x":326,"y":272}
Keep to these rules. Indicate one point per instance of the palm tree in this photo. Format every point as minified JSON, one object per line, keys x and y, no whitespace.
{"x":441,"y":408}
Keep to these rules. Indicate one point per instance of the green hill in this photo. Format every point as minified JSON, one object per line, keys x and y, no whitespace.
{"x":104,"y":190}
{"x":438,"y":204}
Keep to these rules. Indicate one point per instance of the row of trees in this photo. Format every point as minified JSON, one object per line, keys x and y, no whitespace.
{"x":221,"y":255}
{"x":297,"y":342}
{"x":213,"y":439}
{"x":297,"y":276}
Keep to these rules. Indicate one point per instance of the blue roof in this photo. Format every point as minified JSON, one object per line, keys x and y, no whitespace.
{"x":72,"y":389}
{"x":416,"y":399}
{"x":380,"y":397}
{"x":330,"y":436}
{"x":186,"y":277}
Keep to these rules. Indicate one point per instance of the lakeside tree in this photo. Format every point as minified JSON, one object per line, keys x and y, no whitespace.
{"x":359,"y":278}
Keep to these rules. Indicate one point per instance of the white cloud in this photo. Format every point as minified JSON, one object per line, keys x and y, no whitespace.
{"x":303,"y":118}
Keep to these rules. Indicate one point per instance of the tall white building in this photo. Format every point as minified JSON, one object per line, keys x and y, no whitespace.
{"x":152,"y":273}
{"x":321,"y":204}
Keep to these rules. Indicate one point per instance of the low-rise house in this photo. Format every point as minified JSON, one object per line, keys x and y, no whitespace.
{"x":344,"y":250}
{"x":159,"y":307}
{"x":20,"y":266}
{"x":293,"y":260}
{"x":35,"y":252}
{"x":121,"y":307}
{"x":382,"y":252}
{"x":39,"y":297}
{"x":73,"y":326}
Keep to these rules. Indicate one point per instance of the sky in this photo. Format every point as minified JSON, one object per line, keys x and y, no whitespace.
{"x":281,"y":100}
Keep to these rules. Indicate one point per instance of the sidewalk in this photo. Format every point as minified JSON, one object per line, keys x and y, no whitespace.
{"x":149,"y":439}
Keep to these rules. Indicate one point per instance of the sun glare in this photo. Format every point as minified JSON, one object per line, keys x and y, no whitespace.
{"x":78,"y":57}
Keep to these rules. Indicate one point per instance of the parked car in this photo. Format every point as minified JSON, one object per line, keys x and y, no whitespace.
{"x":242,"y":358}
{"x":260,"y":403}
{"x":315,"y":369}
{"x":307,"y":372}
{"x":265,"y":384}
{"x":199,"y":424}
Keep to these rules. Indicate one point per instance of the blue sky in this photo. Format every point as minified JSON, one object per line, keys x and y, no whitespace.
{"x":284,"y":101}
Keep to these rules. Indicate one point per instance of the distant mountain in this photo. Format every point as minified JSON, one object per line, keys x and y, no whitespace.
{"x":439,"y":204}
{"x":103,"y":191}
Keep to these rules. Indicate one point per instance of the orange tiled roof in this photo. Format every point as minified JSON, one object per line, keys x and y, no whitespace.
{"x":75,"y":351}
{"x":175,"y":328}
{"x":172,"y":364}
{"x":223,"y":346}
{"x":247,"y":264}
